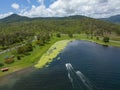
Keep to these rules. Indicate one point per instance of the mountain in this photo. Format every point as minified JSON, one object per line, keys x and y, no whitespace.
{"x":14,"y":18}
{"x":113,"y":19}
{"x":18,"y":18}
{"x":70,"y":24}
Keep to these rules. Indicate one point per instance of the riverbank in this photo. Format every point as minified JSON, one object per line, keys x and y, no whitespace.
{"x":100,"y":41}
{"x":38,"y":52}
{"x":14,"y":77}
{"x":54,"y":50}
{"x":30,"y":60}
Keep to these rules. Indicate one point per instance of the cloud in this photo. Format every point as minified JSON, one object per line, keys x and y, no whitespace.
{"x":91,"y":8}
{"x":15,"y":6}
{"x":37,"y":11}
{"x":5,"y":15}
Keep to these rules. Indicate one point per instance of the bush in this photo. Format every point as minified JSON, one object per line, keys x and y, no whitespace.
{"x":58,"y":35}
{"x":9,"y":61}
{"x":97,"y":38}
{"x":18,"y":58}
{"x":29,"y":47}
{"x":26,"y":53}
{"x":91,"y":37}
{"x":1,"y":64}
{"x":106,"y":39}
{"x":70,"y":35}
{"x":23,"y":49}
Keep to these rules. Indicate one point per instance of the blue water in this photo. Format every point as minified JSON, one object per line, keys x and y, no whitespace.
{"x":92,"y":67}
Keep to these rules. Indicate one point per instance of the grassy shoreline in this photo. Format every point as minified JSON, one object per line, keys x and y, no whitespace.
{"x":53,"y":51}
{"x":38,"y":52}
{"x":30,"y":60}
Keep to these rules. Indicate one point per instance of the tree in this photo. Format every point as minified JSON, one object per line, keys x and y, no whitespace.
{"x":1,"y":64}
{"x":18,"y":57}
{"x":58,"y":35}
{"x":97,"y":38}
{"x":70,"y":35}
{"x":24,"y":49}
{"x":21,"y":50}
{"x":9,"y":60}
{"x":28,"y":47}
{"x":106,"y":39}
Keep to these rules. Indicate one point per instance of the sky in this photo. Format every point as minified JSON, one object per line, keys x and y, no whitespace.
{"x":60,"y":8}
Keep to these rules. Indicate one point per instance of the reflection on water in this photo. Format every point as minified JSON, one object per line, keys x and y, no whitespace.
{"x":91,"y":66}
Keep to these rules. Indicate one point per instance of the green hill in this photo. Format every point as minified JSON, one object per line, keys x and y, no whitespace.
{"x":14,"y":18}
{"x":76,"y":24}
{"x":17,"y":28}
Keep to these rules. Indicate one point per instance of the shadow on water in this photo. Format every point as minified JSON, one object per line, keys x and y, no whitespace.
{"x":78,"y":80}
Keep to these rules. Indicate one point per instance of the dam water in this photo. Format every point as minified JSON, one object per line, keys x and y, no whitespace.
{"x":78,"y":80}
{"x":81,"y":66}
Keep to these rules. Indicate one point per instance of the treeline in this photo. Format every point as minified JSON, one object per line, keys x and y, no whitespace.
{"x":16,"y":32}
{"x":7,"y":39}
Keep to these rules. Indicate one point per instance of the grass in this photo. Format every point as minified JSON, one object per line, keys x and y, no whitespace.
{"x":38,"y":51}
{"x":100,"y":41}
{"x":29,"y":60}
{"x":53,"y":51}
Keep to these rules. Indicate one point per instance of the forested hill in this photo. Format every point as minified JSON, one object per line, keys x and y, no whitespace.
{"x":71,"y":24}
{"x":17,"y":18}
{"x":14,"y":18}
{"x":17,"y":28}
{"x":76,"y":24}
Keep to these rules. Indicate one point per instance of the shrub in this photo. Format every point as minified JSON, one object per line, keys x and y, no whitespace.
{"x":70,"y":35}
{"x":97,"y":38}
{"x":18,"y":58}
{"x":38,"y":42}
{"x":9,"y":61}
{"x":106,"y":39}
{"x":58,"y":35}
{"x":28,"y":47}
{"x":1,"y":64}
{"x":91,"y":37}
{"x":21,"y":50}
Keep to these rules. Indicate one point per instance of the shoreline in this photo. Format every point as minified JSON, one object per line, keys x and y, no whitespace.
{"x":53,"y":51}
{"x":112,"y":44}
{"x":18,"y":68}
{"x":18,"y":71}
{"x":13,"y":77}
{"x":49,"y":61}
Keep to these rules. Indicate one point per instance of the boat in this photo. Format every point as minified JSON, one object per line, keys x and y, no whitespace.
{"x":4,"y":69}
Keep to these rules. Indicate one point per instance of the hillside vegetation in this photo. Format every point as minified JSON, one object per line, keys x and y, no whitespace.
{"x":19,"y":28}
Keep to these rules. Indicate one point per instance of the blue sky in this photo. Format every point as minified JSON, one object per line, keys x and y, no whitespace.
{"x":60,"y":8}
{"x":6,"y":7}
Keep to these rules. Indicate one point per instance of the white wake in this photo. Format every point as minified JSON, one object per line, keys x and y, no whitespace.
{"x":78,"y":80}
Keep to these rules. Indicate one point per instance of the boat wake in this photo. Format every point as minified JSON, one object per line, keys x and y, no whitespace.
{"x":78,"y":80}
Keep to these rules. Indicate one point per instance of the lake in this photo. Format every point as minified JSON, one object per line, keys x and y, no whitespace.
{"x":82,"y":66}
